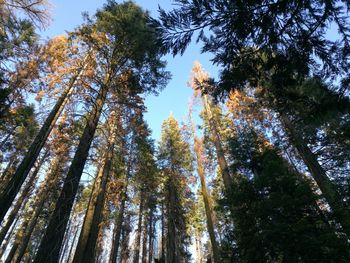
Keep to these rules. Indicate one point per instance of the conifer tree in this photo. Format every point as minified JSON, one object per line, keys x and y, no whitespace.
{"x":175,"y":162}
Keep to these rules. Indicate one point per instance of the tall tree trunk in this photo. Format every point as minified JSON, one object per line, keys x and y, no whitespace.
{"x":171,"y":252}
{"x":66,"y":240}
{"x":48,"y":185}
{"x":124,"y":253}
{"x":198,"y":247}
{"x":8,"y":237}
{"x":22,"y":199}
{"x":9,"y":170}
{"x":75,"y":236}
{"x":144,"y":240}
{"x":86,"y":247}
{"x":150,"y":237}
{"x":51,"y":243}
{"x":162,"y":256}
{"x":227,"y":180}
{"x":119,"y":224}
{"x":329,"y":191}
{"x":14,"y":185}
{"x":9,"y":134}
{"x":208,"y":210}
{"x":138,"y":231}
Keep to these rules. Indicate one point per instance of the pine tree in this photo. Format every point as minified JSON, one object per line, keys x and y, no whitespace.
{"x":175,"y":161}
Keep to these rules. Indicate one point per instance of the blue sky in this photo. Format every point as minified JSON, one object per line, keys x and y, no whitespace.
{"x":66,"y":15}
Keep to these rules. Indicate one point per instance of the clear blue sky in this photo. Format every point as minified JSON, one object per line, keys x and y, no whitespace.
{"x":66,"y":15}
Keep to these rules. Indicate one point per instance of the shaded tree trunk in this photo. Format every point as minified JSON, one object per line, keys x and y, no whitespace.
{"x":227,"y":180}
{"x":50,"y":184}
{"x":118,"y":226}
{"x":86,"y":247}
{"x":162,"y":256}
{"x":171,"y":254}
{"x":51,"y":243}
{"x":22,"y":199}
{"x":150,"y":237}
{"x":206,"y":196}
{"x":9,"y":170}
{"x":14,"y":185}
{"x":8,"y":237}
{"x":124,"y":254}
{"x":144,"y":240}
{"x":328,"y":189}
{"x":138,"y":232}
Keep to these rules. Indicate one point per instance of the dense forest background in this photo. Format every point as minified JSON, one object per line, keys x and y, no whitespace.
{"x":257,"y":170}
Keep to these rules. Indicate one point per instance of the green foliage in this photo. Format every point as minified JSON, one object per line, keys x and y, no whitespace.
{"x":128,"y":44}
{"x":291,"y":34}
{"x":276,"y":217}
{"x":175,"y":162}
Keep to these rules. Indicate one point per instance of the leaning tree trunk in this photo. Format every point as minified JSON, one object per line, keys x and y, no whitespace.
{"x":218,"y":145}
{"x":49,"y":184}
{"x":8,"y":238}
{"x":21,"y":201}
{"x":205,"y":194}
{"x":86,"y":247}
{"x":329,"y":191}
{"x":14,"y":185}
{"x":51,"y":243}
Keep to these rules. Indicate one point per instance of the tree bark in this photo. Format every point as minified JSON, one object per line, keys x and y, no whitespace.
{"x":7,"y":239}
{"x":124,"y":254}
{"x":150,"y":237}
{"x":138,"y":232}
{"x":329,"y":191}
{"x":144,"y":241}
{"x":50,"y":245}
{"x":162,"y":256}
{"x":48,"y":185}
{"x":14,"y":185}
{"x":171,"y":252}
{"x":227,"y":180}
{"x":86,"y":247}
{"x":205,"y":194}
{"x":118,"y":225}
{"x":22,"y":198}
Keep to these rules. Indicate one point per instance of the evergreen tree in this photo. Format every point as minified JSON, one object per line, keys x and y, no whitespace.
{"x":175,"y":162}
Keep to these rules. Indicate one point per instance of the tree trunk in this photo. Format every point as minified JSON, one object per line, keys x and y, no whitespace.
{"x":205,"y":194}
{"x":150,"y":237}
{"x":51,"y":243}
{"x":162,"y":256}
{"x":22,"y":198}
{"x":86,"y":247}
{"x":144,"y":241}
{"x":118,"y":225}
{"x":14,"y":185}
{"x":7,"y":239}
{"x":66,"y":240}
{"x":171,"y":254}
{"x":124,"y":255}
{"x":70,"y":254}
{"x":48,"y":185}
{"x":329,"y":191}
{"x":227,"y":180}
{"x":139,"y":229}
{"x":9,"y":170}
